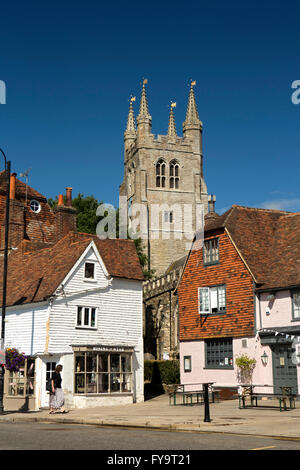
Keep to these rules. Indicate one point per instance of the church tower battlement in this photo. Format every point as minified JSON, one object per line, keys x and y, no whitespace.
{"x":165,"y":171}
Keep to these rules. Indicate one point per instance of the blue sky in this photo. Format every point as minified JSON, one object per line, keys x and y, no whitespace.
{"x":70,"y":67}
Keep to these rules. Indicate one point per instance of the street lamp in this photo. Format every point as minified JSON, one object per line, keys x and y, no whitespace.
{"x":7,"y":170}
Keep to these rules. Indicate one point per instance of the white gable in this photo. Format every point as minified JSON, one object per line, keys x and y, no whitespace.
{"x":75,"y":281}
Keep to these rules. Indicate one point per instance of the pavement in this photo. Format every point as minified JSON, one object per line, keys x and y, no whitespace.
{"x":157,"y":413}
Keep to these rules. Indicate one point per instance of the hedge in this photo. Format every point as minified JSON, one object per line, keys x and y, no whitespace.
{"x":162,"y":372}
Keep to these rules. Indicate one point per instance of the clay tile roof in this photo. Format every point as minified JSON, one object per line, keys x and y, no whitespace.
{"x":268,"y":240}
{"x":34,"y":276}
{"x":21,"y":189}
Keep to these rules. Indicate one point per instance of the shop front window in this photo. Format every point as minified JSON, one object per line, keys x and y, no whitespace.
{"x":21,"y":383}
{"x":98,"y":372}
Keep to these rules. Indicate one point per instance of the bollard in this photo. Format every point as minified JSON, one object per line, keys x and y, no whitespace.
{"x":206,"y":404}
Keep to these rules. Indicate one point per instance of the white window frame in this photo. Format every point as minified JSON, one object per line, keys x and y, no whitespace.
{"x":208,"y":292}
{"x":295,"y":304}
{"x":35,"y":206}
{"x":82,"y":317}
{"x":211,"y":251}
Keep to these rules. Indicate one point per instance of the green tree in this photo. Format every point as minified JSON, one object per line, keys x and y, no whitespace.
{"x":86,"y":207}
{"x":87,"y":221}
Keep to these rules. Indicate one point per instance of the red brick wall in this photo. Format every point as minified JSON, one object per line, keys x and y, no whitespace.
{"x":239,"y":317}
{"x":42,"y":227}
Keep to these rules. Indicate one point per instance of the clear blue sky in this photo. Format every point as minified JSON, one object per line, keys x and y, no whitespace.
{"x":70,"y":67}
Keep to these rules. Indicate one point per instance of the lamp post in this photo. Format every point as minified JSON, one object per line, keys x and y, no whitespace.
{"x":7,"y":170}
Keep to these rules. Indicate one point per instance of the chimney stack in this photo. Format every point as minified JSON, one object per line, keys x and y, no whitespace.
{"x":60,"y":200}
{"x":69,"y":197}
{"x":12,"y":192}
{"x":211,"y":203}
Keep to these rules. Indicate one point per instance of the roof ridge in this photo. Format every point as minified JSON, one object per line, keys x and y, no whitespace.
{"x":263,"y":209}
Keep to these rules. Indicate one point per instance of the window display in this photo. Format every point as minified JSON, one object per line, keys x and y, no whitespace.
{"x":103,"y":372}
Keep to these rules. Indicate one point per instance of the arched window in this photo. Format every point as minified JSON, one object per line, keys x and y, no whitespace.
{"x":160,"y":174}
{"x":174,"y":174}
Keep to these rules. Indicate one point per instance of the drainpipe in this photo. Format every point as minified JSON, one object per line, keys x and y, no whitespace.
{"x":170,"y":302}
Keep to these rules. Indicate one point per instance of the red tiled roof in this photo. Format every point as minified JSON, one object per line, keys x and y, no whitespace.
{"x":34,"y":276}
{"x":268,"y":241}
{"x":21,"y":189}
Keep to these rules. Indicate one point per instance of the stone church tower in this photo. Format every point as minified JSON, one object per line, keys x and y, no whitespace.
{"x":164,"y":175}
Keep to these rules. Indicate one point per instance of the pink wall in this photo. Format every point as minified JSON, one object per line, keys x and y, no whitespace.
{"x":275,"y":313}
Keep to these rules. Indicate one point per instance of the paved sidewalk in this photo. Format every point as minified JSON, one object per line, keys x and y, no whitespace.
{"x":156,"y":413}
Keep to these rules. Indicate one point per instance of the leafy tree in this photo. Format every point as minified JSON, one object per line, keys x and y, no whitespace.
{"x":86,"y":207}
{"x":87,"y":221}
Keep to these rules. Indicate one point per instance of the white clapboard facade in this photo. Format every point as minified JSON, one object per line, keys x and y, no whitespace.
{"x":91,"y":323}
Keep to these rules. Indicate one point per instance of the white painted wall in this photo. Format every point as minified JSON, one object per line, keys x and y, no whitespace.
{"x":119,"y":322}
{"x":25,"y":328}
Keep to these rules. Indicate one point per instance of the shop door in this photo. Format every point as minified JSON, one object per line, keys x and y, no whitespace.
{"x":47,"y":371}
{"x":284,"y":371}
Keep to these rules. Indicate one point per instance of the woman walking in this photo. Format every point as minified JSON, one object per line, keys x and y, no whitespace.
{"x":57,"y":395}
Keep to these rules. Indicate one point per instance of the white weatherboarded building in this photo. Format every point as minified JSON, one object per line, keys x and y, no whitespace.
{"x":78,"y":303}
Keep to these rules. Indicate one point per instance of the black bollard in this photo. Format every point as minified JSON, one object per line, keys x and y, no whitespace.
{"x":206,"y":404}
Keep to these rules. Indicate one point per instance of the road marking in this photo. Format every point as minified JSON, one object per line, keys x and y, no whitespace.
{"x":262,"y":448}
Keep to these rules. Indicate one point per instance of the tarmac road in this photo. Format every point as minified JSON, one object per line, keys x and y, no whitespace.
{"x":62,"y":436}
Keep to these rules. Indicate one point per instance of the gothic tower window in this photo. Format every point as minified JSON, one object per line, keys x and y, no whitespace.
{"x":174,"y":174}
{"x":160,"y":174}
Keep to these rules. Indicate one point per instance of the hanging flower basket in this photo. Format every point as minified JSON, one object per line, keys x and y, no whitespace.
{"x":14,"y":360}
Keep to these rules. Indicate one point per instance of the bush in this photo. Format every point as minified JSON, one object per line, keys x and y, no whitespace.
{"x":162,"y":372}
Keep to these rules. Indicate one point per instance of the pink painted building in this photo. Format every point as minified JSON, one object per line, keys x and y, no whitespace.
{"x":240,"y":294}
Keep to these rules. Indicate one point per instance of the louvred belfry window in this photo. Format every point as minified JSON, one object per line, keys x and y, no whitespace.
{"x":174,"y":175}
{"x":160,"y":174}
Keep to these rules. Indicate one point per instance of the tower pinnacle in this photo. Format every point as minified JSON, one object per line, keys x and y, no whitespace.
{"x":192,"y":126}
{"x":192,"y":116}
{"x":172,"y":125}
{"x":144,"y":119}
{"x":130,"y":128}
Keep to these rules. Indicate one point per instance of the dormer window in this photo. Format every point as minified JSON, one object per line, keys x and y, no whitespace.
{"x":89,"y":271}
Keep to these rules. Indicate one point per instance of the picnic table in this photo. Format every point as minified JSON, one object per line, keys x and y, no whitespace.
{"x":286,"y":396}
{"x":191,"y":394}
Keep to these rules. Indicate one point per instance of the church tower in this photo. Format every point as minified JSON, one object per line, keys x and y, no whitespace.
{"x":163,"y":179}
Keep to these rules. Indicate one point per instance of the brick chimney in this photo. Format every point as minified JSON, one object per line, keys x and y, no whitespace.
{"x":60,"y":200}
{"x":211,"y":208}
{"x":12,"y":193}
{"x":65,"y":215}
{"x":69,"y":196}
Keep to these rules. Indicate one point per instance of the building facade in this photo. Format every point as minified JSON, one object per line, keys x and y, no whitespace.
{"x":78,"y":303}
{"x":239,"y":295}
{"x":31,"y":219}
{"x":164,"y":175}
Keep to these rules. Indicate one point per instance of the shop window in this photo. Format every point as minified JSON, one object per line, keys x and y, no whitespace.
{"x":22,"y":383}
{"x":218,"y":353}
{"x":107,"y":372}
